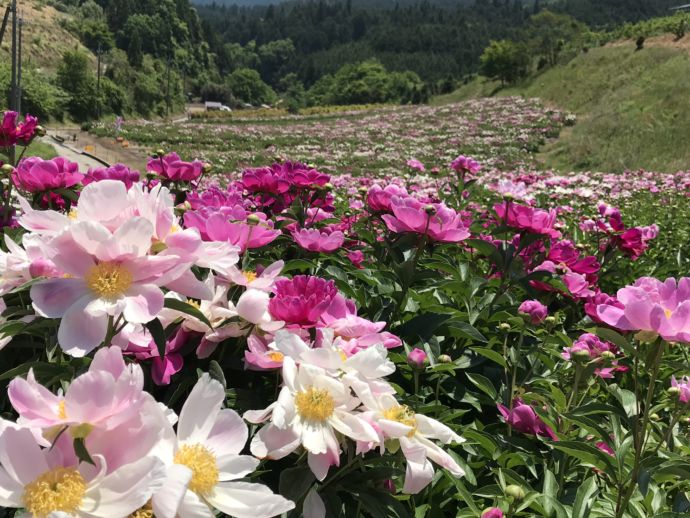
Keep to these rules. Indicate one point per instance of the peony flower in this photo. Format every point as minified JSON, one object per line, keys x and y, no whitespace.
{"x":526,"y":218}
{"x":414,"y":432}
{"x":535,"y":310}
{"x":13,"y":132}
{"x":115,"y":172}
{"x":524,"y":419}
{"x":173,"y":168}
{"x":416,"y":164}
{"x":596,"y":350}
{"x":436,"y":221}
{"x":45,"y":485}
{"x":653,"y":306}
{"x":310,"y":409}
{"x":492,"y":512}
{"x":316,"y":240}
{"x":683,"y":387}
{"x":417,"y":358}
{"x":203,"y":463}
{"x":301,"y":300}
{"x":356,"y":257}
{"x":263,"y":279}
{"x":379,"y":199}
{"x":465,"y":164}
{"x":107,"y":395}
{"x":34,"y":174}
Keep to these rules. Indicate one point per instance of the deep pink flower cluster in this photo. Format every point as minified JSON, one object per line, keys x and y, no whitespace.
{"x":114,"y":172}
{"x":529,"y":219}
{"x":173,"y":168}
{"x":535,"y":310}
{"x":36,"y":175}
{"x":13,"y":131}
{"x":465,"y":164}
{"x":436,"y":221}
{"x":598,"y":351}
{"x":525,"y":420}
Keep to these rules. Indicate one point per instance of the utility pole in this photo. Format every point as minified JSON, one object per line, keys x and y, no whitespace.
{"x":13,"y":76}
{"x":18,"y":103}
{"x":167,"y":88}
{"x":4,"y":22}
{"x":98,"y":83}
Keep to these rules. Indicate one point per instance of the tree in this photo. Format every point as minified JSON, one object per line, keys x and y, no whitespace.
{"x":505,"y":60}
{"x":75,"y":77}
{"x":247,"y":86}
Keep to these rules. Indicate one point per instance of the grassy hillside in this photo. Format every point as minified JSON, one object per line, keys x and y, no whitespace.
{"x":633,"y":107}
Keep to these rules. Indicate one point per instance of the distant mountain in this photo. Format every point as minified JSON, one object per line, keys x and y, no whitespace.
{"x":378,"y":4}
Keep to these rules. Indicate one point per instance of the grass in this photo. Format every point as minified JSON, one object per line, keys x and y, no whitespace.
{"x":633,"y":108}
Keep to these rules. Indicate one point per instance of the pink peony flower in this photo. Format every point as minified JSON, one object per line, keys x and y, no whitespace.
{"x":302,"y":299}
{"x":600,"y":298}
{"x":436,"y":221}
{"x":34,"y":174}
{"x":416,"y":164}
{"x":651,"y":305}
{"x":173,"y":168}
{"x":115,"y":172}
{"x":465,"y":164}
{"x":13,"y":132}
{"x":598,"y":351}
{"x":492,"y":512}
{"x":533,"y":220}
{"x":379,"y":200}
{"x":535,"y":310}
{"x":524,"y":419}
{"x":233,"y":225}
{"x":316,"y":240}
{"x":684,"y":387}
{"x":356,"y":257}
{"x":417,"y":358}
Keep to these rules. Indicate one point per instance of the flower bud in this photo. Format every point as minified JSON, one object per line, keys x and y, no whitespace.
{"x":207,"y":167}
{"x":581,"y":355}
{"x":550,"y":320}
{"x":608,"y":356}
{"x":40,"y":131}
{"x":253,"y":219}
{"x":673,"y":391}
{"x":363,"y":191}
{"x":159,"y":153}
{"x":654,"y":417}
{"x":327,"y":187}
{"x":504,"y":326}
{"x":6,"y":169}
{"x":444,"y":358}
{"x":417,"y":358}
{"x":514,"y":491}
{"x":430,"y":210}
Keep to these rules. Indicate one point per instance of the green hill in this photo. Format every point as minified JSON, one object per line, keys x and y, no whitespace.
{"x":633,"y":107}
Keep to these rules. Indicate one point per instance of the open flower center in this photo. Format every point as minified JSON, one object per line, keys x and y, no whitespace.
{"x":61,"y":489}
{"x":276,"y":356}
{"x":203,"y":465}
{"x":668,"y":313}
{"x":143,"y":512}
{"x":402,"y":414}
{"x":249,"y":275}
{"x":314,"y":404}
{"x":108,"y":280}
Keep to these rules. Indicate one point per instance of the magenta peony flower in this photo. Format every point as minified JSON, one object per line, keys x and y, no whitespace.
{"x":492,"y":512}
{"x":34,"y":174}
{"x":379,"y":199}
{"x":13,"y":132}
{"x":684,"y":387}
{"x":651,"y":305}
{"x":535,"y":310}
{"x":533,"y":220}
{"x":416,"y":164}
{"x":634,"y":241}
{"x":417,"y":358}
{"x":605,"y":448}
{"x":465,"y":164}
{"x":115,"y":172}
{"x":598,"y":351}
{"x":356,"y":257}
{"x":302,"y":299}
{"x":316,"y":240}
{"x":524,"y":419}
{"x":173,"y":168}
{"x":232,"y":224}
{"x":436,"y":221}
{"x":600,"y":298}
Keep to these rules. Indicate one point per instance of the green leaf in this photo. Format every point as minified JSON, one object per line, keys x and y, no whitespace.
{"x":626,"y":398}
{"x":158,"y":333}
{"x":295,"y":482}
{"x":588,"y":454}
{"x":81,"y":452}
{"x":483,"y":384}
{"x":492,"y":355}
{"x":184,"y":307}
{"x":615,"y":338}
{"x":585,"y":498}
{"x":466,"y":330}
{"x":216,"y":373}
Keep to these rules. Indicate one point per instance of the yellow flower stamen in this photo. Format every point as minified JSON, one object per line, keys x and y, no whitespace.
{"x":62,"y":413}
{"x":72,"y":214}
{"x":314,"y":404}
{"x":143,"y":512}
{"x":402,"y":414}
{"x":108,"y":280}
{"x":668,"y":313}
{"x":203,"y":465}
{"x":276,"y":356}
{"x":61,"y":489}
{"x":250,"y":276}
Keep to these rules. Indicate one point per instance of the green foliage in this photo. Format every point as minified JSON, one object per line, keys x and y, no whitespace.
{"x":75,"y":77}
{"x":505,"y":60}
{"x":367,"y":82}
{"x":39,"y":96}
{"x":247,"y":86}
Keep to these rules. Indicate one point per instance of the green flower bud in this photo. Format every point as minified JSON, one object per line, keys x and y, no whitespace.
{"x":514,"y":491}
{"x":444,"y":358}
{"x":581,"y":355}
{"x":430,"y":210}
{"x":253,"y":219}
{"x":504,"y":326}
{"x":6,"y":169}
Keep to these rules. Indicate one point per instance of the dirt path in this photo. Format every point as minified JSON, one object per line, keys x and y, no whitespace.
{"x":664,"y":40}
{"x":112,"y":152}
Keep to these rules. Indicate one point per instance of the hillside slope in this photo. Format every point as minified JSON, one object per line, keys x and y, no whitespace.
{"x":633,"y":107}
